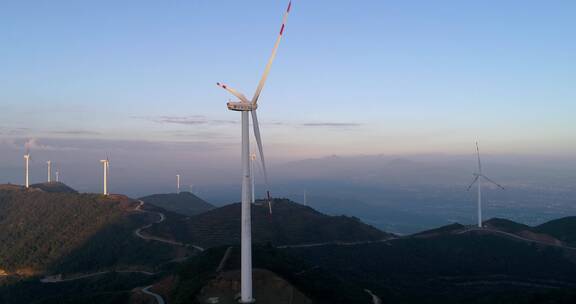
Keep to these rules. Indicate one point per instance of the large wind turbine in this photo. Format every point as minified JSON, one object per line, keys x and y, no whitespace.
{"x":49,"y":163}
{"x":106,"y":165}
{"x":478,"y":177}
{"x":27,"y":170}
{"x":244,"y":106}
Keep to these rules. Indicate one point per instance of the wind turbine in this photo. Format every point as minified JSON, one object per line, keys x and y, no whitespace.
{"x":49,"y":163}
{"x":106,"y":164}
{"x":244,"y":106}
{"x":478,"y":177}
{"x":178,"y":183}
{"x":27,"y":170}
{"x":57,"y":175}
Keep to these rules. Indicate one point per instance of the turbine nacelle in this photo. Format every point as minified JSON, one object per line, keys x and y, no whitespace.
{"x":241,"y":106}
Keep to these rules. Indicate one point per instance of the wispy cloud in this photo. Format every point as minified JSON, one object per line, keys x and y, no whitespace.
{"x":34,"y":144}
{"x":76,"y":132}
{"x":197,"y":134}
{"x":13,"y":131}
{"x":331,"y":124}
{"x":11,"y":143}
{"x":187,"y":120}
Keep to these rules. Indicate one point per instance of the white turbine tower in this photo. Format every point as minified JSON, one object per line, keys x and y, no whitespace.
{"x":27,"y":170}
{"x":49,"y":163}
{"x":178,"y":183}
{"x":478,"y":176}
{"x":106,"y":166}
{"x":57,"y":175}
{"x":252,"y":160}
{"x":244,"y":106}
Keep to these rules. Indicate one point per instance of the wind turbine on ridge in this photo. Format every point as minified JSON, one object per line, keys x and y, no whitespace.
{"x":478,"y":177}
{"x":244,"y":106}
{"x":49,"y":163}
{"x":106,"y":165}
{"x":177,"y":183}
{"x":27,"y":170}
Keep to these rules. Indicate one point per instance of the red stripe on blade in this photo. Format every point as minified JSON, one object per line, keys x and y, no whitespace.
{"x":282,"y":29}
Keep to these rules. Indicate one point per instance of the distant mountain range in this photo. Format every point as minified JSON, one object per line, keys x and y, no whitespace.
{"x":184,"y":202}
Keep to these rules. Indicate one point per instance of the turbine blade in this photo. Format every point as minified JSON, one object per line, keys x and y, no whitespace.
{"x":262,"y":159}
{"x":259,"y":143}
{"x":493,"y":182}
{"x":479,"y":163}
{"x":473,"y":182}
{"x":269,"y":64}
{"x":233,"y":92}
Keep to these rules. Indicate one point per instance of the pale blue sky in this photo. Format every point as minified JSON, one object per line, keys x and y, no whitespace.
{"x":351,"y":77}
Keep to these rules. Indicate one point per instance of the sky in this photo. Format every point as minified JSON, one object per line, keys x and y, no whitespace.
{"x":351,"y":78}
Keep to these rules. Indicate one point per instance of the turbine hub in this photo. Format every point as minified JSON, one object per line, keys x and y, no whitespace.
{"x":241,"y":106}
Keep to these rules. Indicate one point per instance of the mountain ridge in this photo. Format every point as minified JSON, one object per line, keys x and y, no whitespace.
{"x":184,"y":202}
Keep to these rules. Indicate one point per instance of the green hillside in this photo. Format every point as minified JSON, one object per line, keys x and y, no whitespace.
{"x":54,"y":187}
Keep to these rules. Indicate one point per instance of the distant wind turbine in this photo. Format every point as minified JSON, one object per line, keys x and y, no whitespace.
{"x":57,"y":175}
{"x":49,"y":163}
{"x":178,"y":183}
{"x":478,"y":177}
{"x":244,"y":106}
{"x":106,"y":165}
{"x":27,"y":170}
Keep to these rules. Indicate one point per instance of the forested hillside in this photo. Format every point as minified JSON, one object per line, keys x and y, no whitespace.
{"x":43,"y":232}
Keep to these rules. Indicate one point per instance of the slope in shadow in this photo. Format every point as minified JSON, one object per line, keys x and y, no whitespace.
{"x":290,"y":223}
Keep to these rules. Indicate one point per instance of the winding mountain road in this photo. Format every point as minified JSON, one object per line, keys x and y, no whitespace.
{"x":138,"y":232}
{"x":514,"y":236}
{"x":60,"y":278}
{"x":156,"y":296}
{"x":334,"y":243}
{"x":375,"y":298}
